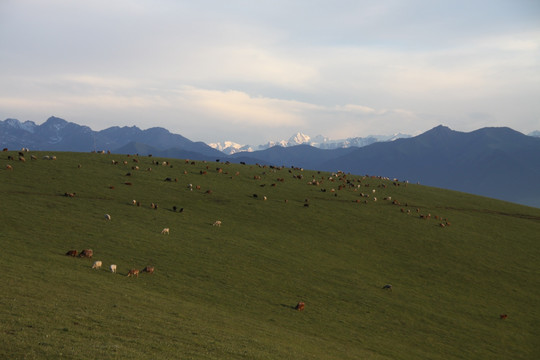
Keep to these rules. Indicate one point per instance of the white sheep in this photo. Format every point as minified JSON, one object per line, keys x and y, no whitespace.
{"x":97,"y":265}
{"x":113,"y":268}
{"x":217,"y":223}
{"x":107,"y":217}
{"x":165,"y":231}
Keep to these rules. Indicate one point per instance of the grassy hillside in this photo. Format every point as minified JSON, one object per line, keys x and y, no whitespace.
{"x":229,"y":292}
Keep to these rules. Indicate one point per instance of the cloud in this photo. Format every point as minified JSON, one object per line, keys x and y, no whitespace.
{"x":211,"y":69}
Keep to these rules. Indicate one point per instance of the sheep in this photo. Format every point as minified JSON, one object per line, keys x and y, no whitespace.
{"x":165,"y":231}
{"x":87,"y":253}
{"x":148,"y":269}
{"x":113,"y":268}
{"x":133,"y":272}
{"x":97,"y":264}
{"x":503,"y":316}
{"x":217,"y":223}
{"x":300,"y":306}
{"x":107,"y":217}
{"x":72,"y":253}
{"x":9,"y":167}
{"x":387,"y":287}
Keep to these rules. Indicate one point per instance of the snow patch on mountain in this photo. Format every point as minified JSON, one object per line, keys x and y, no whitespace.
{"x":29,"y":126}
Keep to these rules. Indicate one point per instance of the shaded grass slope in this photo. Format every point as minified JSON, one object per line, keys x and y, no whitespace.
{"x":229,"y":292}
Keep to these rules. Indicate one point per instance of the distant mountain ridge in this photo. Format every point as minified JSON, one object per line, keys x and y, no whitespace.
{"x":58,"y":134}
{"x":319,"y":141}
{"x":495,"y":162}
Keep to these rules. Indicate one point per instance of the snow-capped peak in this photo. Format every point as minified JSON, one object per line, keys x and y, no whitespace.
{"x":298,"y":139}
{"x":230,"y":147}
{"x":319,"y":141}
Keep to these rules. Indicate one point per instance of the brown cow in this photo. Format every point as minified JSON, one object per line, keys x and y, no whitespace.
{"x":300,"y":306}
{"x":148,"y":269}
{"x":87,"y":253}
{"x":72,"y":253}
{"x":133,"y":272}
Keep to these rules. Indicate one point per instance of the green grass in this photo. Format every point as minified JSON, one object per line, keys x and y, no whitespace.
{"x":229,"y":292}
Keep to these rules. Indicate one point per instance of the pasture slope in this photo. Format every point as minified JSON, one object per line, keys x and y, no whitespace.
{"x":229,"y":292}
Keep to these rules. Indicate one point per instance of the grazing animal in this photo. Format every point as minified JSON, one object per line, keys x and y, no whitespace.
{"x":148,"y":269}
{"x":72,"y":253}
{"x":387,"y":287}
{"x":165,"y":231}
{"x":87,"y":253}
{"x":9,"y":167}
{"x":107,"y":217}
{"x":113,"y":268}
{"x":503,"y":316}
{"x":300,"y":306}
{"x":97,"y":264}
{"x":133,"y":272}
{"x":217,"y":223}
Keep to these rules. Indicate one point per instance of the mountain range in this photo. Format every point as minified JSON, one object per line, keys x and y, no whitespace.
{"x":319,"y":141}
{"x":496,"y":162}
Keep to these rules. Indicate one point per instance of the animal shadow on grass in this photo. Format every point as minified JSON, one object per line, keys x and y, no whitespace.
{"x":289,"y":306}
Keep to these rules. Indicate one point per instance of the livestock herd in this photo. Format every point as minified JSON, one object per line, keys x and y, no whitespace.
{"x":333,"y":184}
{"x":89,"y":253}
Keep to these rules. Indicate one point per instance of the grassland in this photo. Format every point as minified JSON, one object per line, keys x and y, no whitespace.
{"x":229,"y":292}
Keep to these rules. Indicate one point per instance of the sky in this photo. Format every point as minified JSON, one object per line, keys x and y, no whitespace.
{"x":255,"y":71}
